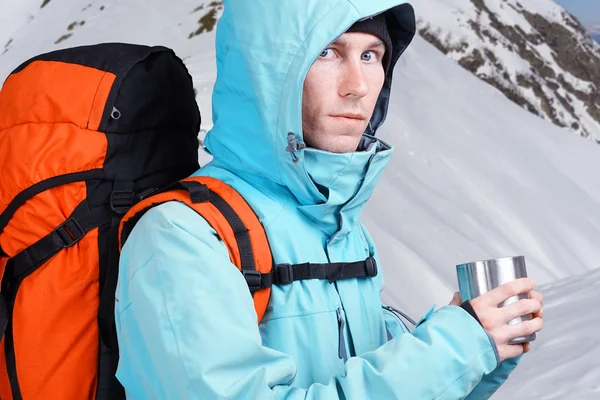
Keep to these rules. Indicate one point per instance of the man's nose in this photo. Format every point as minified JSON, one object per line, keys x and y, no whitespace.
{"x":354,"y":82}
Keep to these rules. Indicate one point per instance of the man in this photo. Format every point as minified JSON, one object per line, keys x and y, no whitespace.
{"x":299,"y":83}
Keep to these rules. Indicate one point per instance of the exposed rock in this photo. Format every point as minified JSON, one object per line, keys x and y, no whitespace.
{"x":473,"y":61}
{"x":209,"y":20}
{"x":433,"y":39}
{"x":552,"y":50}
{"x":63,"y":37}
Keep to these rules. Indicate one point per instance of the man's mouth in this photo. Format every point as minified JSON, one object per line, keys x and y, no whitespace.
{"x":358,"y":117}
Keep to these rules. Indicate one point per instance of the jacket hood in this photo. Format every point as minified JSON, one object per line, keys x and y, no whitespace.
{"x":264,"y":51}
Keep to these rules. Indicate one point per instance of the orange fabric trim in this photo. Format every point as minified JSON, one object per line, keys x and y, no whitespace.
{"x":258,"y":238}
{"x":55,"y":325}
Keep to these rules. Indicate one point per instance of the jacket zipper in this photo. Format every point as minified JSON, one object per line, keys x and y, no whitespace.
{"x":397,"y":313}
{"x":342,"y":353}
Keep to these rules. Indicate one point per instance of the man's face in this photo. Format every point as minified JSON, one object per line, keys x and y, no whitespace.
{"x":340,"y":92}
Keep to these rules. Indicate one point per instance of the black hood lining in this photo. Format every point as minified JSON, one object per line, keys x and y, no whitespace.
{"x":402,"y":27}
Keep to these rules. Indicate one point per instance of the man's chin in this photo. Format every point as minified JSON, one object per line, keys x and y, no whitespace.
{"x":341,"y":144}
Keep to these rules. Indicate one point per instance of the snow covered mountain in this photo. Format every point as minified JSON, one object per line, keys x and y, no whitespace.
{"x":533,"y":51}
{"x":474,"y":176}
{"x":594,"y":32}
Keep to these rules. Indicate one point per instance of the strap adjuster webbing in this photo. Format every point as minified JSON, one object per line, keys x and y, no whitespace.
{"x":122,"y":197}
{"x":69,"y":232}
{"x":81,"y":221}
{"x":199,"y":193}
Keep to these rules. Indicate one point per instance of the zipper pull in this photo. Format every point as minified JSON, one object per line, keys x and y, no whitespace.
{"x":399,"y":313}
{"x":342,"y":353}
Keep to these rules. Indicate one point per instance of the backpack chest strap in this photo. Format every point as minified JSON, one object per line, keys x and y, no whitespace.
{"x":285,"y":274}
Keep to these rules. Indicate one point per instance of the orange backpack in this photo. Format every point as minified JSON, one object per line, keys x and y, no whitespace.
{"x":84,"y":133}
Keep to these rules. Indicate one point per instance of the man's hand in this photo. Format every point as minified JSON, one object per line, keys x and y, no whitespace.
{"x":539,"y":314}
{"x":456,"y":300}
{"x":495,"y":319}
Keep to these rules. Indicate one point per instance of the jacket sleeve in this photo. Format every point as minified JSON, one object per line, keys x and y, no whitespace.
{"x":187,"y":329}
{"x":491,"y":382}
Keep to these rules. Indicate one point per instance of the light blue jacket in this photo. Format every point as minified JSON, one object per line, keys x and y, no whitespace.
{"x":186,"y":323}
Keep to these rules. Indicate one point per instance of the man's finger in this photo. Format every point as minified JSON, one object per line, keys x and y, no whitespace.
{"x":520,"y":308}
{"x":508,"y":290}
{"x":513,"y":350}
{"x":524,"y":328}
{"x":456,"y":300}
{"x":537,"y":296}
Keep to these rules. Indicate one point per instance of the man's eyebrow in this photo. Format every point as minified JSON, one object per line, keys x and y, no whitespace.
{"x":340,"y":42}
{"x":376,"y":43}
{"x":343,"y":42}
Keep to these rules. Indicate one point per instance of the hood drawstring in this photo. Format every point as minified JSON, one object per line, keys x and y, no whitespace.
{"x":293,"y":146}
{"x":371,"y":131}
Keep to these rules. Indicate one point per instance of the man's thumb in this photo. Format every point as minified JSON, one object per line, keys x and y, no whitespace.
{"x":456,"y":300}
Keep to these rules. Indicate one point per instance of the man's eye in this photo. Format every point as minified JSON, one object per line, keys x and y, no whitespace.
{"x":326,"y":53}
{"x":368,"y":56}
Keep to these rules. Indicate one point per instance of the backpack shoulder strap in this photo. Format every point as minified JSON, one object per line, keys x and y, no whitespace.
{"x":231,"y":217}
{"x":242,"y":232}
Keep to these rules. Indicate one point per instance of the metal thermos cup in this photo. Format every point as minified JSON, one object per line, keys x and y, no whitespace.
{"x":478,"y":277}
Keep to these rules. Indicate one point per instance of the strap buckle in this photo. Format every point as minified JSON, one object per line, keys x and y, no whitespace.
{"x":285,"y":274}
{"x":371,"y":267}
{"x":253,"y":279}
{"x":121,"y":200}
{"x":69,"y":232}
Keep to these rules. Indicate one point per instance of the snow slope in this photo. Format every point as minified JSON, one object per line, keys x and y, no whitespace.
{"x":563,"y":364}
{"x":474,"y":176}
